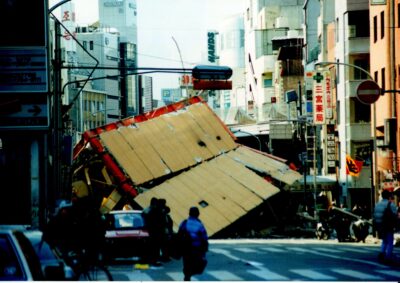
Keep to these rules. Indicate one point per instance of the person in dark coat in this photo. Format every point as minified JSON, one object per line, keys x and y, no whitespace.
{"x":152,"y":219}
{"x":195,"y":244}
{"x":385,"y":215}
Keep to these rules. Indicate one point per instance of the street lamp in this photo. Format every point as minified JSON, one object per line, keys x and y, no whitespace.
{"x":250,"y":134}
{"x":375,"y":184}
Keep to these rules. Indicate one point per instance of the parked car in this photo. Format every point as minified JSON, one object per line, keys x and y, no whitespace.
{"x":126,"y":235}
{"x":24,"y":256}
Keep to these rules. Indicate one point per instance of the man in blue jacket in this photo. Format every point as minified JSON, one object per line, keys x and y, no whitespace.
{"x":195,"y":244}
{"x":385,"y":218}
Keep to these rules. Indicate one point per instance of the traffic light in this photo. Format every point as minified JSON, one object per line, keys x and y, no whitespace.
{"x":211,"y":85}
{"x":205,"y":72}
{"x":211,"y":77}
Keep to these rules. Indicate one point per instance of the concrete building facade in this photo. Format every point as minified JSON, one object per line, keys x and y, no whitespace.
{"x":385,"y":69}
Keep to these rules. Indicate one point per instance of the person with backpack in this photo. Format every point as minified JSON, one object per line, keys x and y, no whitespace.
{"x":194,"y":244}
{"x":385,"y":220}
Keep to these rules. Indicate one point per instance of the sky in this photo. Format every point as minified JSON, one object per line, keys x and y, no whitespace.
{"x":161,"y":23}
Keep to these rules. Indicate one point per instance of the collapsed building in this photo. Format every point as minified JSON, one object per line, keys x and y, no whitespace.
{"x":184,"y":154}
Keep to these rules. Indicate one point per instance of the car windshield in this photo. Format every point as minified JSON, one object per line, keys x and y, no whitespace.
{"x":10,"y":268}
{"x":128,"y":220}
{"x":42,"y":249}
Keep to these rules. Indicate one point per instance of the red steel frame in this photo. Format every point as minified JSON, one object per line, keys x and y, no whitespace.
{"x":91,"y":136}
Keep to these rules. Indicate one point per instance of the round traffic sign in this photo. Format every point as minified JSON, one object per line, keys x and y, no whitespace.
{"x":368,"y":92}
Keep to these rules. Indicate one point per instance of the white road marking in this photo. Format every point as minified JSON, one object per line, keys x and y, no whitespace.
{"x":272,"y":249}
{"x":138,"y":276}
{"x":356,"y":274}
{"x":178,"y":276}
{"x":296,"y":249}
{"x":224,"y":275}
{"x":225,"y":253}
{"x":328,"y":250}
{"x":390,"y":272}
{"x":245,"y":250}
{"x":268,"y":275}
{"x":356,"y":250}
{"x":314,"y":275}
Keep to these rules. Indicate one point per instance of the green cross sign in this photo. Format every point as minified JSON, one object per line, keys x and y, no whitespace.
{"x":318,"y":77}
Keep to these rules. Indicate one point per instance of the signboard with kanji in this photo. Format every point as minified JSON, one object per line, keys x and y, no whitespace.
{"x":328,"y":95}
{"x":318,"y":99}
{"x":23,"y":46}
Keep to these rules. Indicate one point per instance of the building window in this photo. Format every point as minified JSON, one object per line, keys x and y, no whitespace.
{"x":359,"y":21}
{"x":359,"y":74}
{"x":375,"y":28}
{"x":382,"y":24}
{"x":91,"y":45}
{"x":337,"y":73}
{"x":337,"y":30}
{"x":376,"y":76}
{"x":84,"y":44}
{"x":362,"y":112}
{"x":267,"y":78}
{"x":398,"y":15}
{"x":399,"y":75}
{"x":242,"y":36}
{"x":383,"y":79}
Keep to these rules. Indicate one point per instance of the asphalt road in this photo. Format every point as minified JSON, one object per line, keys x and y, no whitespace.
{"x":274,"y":260}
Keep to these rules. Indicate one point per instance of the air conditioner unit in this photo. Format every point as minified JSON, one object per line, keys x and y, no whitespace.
{"x":352,"y":31}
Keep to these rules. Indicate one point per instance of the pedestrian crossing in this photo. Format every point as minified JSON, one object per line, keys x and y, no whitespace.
{"x":266,"y":274}
{"x":254,"y":270}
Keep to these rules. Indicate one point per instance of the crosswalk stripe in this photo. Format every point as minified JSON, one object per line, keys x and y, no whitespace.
{"x":245,"y":250}
{"x":356,"y":274}
{"x":177,"y":276}
{"x":273,"y":250}
{"x":139,"y":276}
{"x":296,"y":249}
{"x":268,"y":275}
{"x":312,"y":274}
{"x":224,"y":275}
{"x":356,"y":250}
{"x":390,"y":272}
{"x":328,"y":250}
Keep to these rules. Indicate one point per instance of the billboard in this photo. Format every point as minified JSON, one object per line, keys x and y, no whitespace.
{"x":23,"y":46}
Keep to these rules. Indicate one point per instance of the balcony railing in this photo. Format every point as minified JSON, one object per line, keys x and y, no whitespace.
{"x":359,"y":131}
{"x":357,"y":45}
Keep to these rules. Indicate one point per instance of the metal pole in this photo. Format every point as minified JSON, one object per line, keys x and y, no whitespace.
{"x":375,"y":181}
{"x":315,"y":172}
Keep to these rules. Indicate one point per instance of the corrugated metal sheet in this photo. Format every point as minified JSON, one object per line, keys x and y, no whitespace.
{"x":192,"y":157}
{"x":222,"y":188}
{"x":167,"y":144}
{"x":262,"y":163}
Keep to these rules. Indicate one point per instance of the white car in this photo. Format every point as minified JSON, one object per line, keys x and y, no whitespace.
{"x":25,"y":256}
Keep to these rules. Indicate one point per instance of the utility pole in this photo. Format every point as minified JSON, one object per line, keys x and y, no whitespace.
{"x":56,"y":126}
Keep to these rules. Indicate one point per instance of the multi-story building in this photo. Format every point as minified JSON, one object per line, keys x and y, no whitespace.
{"x":121,"y":15}
{"x":231,"y":53}
{"x":385,"y":69}
{"x":98,"y":61}
{"x":268,"y":24}
{"x":146,"y":93}
{"x":341,"y":57}
{"x":171,"y":95}
{"x":354,"y":118}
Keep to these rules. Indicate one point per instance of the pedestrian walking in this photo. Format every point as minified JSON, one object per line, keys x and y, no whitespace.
{"x":385,"y":218}
{"x":152,"y":219}
{"x":194,"y":244}
{"x":167,"y":230}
